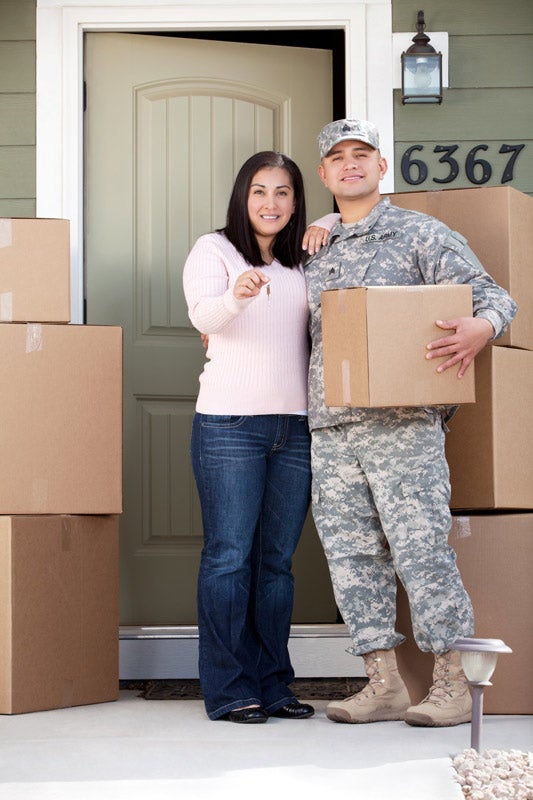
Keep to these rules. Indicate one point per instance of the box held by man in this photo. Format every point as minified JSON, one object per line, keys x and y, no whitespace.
{"x":374,"y":342}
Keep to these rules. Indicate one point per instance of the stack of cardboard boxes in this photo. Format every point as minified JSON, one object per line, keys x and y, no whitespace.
{"x":60,"y":481}
{"x":490,"y":450}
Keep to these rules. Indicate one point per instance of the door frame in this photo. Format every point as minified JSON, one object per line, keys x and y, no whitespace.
{"x":60,"y":28}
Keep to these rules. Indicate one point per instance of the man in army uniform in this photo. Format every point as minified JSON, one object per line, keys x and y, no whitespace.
{"x":380,"y":479}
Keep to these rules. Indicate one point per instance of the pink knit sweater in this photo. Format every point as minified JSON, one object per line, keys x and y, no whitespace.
{"x":258,"y":354}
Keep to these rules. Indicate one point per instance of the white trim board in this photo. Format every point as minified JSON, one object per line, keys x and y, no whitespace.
{"x":171,"y":653}
{"x":61,"y":25}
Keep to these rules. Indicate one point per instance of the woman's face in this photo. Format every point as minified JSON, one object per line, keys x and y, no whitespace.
{"x":270,"y":202}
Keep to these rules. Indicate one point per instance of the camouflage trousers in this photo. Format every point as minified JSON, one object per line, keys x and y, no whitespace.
{"x":381,"y":494}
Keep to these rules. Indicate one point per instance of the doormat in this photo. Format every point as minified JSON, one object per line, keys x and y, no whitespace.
{"x":303,"y":688}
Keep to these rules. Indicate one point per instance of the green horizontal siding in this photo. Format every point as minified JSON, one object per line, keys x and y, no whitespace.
{"x":481,"y":17}
{"x":17,"y":108}
{"x":17,"y":20}
{"x":490,"y":90}
{"x":17,"y":119}
{"x":13,"y":207}
{"x":468,"y":114}
{"x":17,"y":66}
{"x":17,"y":172}
{"x":491,"y":61}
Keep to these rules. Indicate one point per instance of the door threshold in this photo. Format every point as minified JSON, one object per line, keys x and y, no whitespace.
{"x":170,"y":652}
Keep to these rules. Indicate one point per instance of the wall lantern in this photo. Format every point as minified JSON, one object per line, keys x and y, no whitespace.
{"x":421,"y":69}
{"x":478,"y":658}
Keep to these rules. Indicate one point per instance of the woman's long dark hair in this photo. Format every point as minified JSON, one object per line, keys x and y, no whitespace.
{"x":287,"y":247}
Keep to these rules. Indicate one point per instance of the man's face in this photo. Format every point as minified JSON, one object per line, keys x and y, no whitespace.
{"x":352,"y":170}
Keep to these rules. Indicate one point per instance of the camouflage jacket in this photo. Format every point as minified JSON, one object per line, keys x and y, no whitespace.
{"x":392,"y":247}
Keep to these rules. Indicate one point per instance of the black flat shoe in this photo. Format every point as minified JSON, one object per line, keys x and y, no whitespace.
{"x":247,"y":715}
{"x":294,"y":710}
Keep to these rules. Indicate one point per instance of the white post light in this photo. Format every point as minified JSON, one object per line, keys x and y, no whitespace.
{"x":478,"y":657}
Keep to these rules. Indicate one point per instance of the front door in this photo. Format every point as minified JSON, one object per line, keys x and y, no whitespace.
{"x":168,"y":123}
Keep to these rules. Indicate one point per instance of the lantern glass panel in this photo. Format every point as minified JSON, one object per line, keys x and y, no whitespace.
{"x":422,"y":78}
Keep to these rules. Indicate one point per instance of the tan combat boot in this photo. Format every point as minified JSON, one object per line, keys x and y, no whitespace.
{"x":449,"y":701}
{"x":385,"y":697}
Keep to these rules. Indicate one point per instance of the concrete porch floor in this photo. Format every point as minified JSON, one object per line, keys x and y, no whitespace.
{"x":162,"y":749}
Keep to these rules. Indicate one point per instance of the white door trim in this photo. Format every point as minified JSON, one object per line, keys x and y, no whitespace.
{"x":59,"y":46}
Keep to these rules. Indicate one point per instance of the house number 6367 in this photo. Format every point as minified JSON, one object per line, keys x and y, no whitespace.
{"x":478,"y":170}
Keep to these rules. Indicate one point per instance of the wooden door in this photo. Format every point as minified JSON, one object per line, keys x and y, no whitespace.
{"x":168,"y":123}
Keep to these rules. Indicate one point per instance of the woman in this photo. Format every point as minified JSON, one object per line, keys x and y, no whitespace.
{"x":245,"y":289}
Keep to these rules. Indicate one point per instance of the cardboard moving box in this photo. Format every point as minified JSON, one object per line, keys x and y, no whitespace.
{"x":494,"y":555}
{"x":61,"y":432}
{"x":374,"y":342}
{"x":498,"y":223}
{"x":34,"y":270}
{"x":489,"y":446}
{"x":58,"y":612}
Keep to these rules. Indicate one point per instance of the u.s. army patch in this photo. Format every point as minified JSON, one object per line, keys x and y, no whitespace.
{"x":377,"y":237}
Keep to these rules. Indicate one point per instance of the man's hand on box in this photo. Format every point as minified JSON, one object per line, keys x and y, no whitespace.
{"x":469,"y":336}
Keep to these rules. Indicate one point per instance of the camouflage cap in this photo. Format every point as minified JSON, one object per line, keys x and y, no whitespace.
{"x":343,"y":129}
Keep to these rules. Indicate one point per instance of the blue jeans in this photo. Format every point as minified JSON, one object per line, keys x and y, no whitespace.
{"x":253,"y":476}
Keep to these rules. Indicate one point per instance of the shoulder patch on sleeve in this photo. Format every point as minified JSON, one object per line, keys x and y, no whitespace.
{"x":455,"y":241}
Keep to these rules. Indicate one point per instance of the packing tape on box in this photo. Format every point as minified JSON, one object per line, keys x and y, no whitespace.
{"x":34,"y":337}
{"x":342,"y":294}
{"x":6,"y":306}
{"x":346,"y":382}
{"x":461,"y":527}
{"x":6,"y":233}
